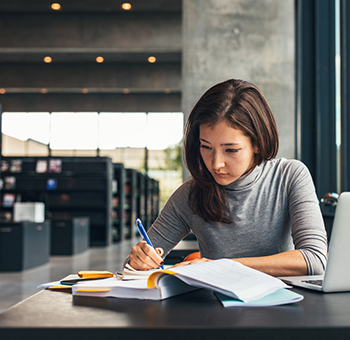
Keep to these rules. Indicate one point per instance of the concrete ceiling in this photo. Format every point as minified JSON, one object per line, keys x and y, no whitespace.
{"x":91,"y":6}
{"x":73,"y":37}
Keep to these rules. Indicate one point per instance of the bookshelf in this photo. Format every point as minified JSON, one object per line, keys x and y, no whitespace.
{"x":151,"y":201}
{"x":118,"y":202}
{"x":140,"y":198}
{"x":130,"y":203}
{"x":69,"y":187}
{"x":132,"y":199}
{"x":109,"y":194}
{"x":154,"y":197}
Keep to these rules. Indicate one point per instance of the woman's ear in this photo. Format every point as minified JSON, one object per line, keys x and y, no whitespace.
{"x":256,"y":149}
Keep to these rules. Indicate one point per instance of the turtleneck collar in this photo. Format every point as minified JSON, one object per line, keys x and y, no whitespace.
{"x":245,"y":180}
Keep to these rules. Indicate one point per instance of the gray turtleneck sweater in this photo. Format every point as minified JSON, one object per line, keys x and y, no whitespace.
{"x":274,"y":209}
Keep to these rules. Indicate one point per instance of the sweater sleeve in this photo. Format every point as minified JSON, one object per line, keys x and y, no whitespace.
{"x":308,"y":231}
{"x":173,"y":222}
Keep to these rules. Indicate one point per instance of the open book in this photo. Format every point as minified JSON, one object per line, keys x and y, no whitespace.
{"x":129,"y":273}
{"x":131,"y":289}
{"x":222,"y":276}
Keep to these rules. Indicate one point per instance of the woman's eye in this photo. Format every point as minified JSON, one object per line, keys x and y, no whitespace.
{"x":232,"y":150}
{"x":204,"y":146}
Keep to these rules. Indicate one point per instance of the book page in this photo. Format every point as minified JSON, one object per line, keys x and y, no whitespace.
{"x":230,"y":278}
{"x":129,"y":273}
{"x":132,"y":289}
{"x":112,"y":283}
{"x":279,"y":297}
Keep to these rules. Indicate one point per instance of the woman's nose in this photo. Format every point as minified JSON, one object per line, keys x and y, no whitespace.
{"x":218,"y":161}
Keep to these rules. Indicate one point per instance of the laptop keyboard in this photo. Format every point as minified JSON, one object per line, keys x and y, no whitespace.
{"x":314,"y":282}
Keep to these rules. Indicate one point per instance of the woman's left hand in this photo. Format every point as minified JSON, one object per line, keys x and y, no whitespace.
{"x":186,"y":263}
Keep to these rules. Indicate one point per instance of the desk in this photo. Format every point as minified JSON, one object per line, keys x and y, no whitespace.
{"x":196,"y":315}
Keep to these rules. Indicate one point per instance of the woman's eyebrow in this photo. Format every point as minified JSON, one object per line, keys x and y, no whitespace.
{"x":224,"y":144}
{"x":231,"y":144}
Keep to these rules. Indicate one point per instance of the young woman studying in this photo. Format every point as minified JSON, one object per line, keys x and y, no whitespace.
{"x":241,"y":202}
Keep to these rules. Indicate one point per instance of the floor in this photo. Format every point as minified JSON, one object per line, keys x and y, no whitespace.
{"x":17,"y":286}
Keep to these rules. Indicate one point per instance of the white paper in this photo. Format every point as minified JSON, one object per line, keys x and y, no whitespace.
{"x":129,"y":273}
{"x":230,"y":278}
{"x":279,"y":297}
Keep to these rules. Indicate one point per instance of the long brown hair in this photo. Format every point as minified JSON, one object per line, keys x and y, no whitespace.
{"x":244,"y":107}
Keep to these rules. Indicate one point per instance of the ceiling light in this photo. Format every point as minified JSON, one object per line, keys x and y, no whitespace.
{"x":126,"y":91}
{"x":152,"y":59}
{"x":2,"y":91}
{"x":47,"y":59}
{"x":167,"y":91}
{"x":85,"y":91}
{"x":43,"y":91}
{"x":56,"y":6}
{"x":100,"y":59}
{"x":126,"y":6}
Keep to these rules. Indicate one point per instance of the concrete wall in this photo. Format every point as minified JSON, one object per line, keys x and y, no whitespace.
{"x":247,"y":39}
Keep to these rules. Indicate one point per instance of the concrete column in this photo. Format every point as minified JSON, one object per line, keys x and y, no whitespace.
{"x":246,"y":39}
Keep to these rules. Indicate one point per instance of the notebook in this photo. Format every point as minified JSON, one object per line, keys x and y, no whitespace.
{"x":337,"y":274}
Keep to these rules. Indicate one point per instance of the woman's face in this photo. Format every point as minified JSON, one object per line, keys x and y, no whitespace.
{"x":227,"y":152}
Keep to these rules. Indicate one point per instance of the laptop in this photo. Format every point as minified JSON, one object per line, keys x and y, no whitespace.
{"x":337,"y":274}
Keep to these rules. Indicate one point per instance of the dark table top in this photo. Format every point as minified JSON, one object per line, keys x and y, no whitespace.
{"x":196,"y":315}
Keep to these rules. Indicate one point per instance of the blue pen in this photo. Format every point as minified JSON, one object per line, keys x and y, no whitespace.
{"x":144,"y":234}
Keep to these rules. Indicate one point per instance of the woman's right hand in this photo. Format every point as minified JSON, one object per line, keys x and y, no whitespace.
{"x":145,"y":257}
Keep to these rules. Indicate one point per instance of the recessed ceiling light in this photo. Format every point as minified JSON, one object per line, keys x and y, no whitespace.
{"x":56,"y":6}
{"x":126,"y":91}
{"x":43,"y":91}
{"x":152,"y":59}
{"x":126,"y":6}
{"x":85,"y":91}
{"x":47,"y":59}
{"x":167,"y":91}
{"x":100,"y":59}
{"x":2,"y":91}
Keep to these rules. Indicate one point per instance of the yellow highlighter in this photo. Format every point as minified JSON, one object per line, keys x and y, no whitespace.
{"x":93,"y":290}
{"x":93,"y":274}
{"x":59,"y":287}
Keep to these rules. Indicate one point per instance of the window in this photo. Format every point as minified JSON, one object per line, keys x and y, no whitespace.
{"x":322,"y":78}
{"x":144,"y":141}
{"x":74,"y":131}
{"x":25,"y":134}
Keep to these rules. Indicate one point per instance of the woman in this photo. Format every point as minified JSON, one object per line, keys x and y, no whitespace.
{"x":241,"y":202}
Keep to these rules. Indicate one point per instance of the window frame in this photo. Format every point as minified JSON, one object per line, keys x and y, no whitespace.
{"x":315,"y":92}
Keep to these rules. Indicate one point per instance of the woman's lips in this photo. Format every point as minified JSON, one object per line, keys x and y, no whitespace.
{"x":219,"y":174}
